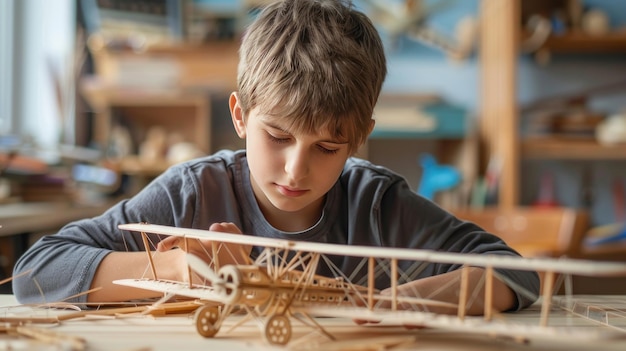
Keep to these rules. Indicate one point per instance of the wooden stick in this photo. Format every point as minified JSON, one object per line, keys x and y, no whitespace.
{"x":15,"y":276}
{"x":489,"y":293}
{"x":33,"y":320}
{"x":244,"y":255}
{"x":216,"y":259}
{"x":82,"y":293}
{"x":547,"y":297}
{"x":49,"y":336}
{"x":463,"y":293}
{"x":371,"y":263}
{"x":144,"y":237}
{"x":394,"y":284}
{"x":162,"y":309}
{"x":189,"y":272}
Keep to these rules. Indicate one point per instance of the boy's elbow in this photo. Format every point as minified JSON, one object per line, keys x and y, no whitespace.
{"x":25,"y":292}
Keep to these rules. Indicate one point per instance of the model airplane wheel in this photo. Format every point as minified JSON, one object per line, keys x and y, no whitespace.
{"x":206,"y":320}
{"x":278,"y":330}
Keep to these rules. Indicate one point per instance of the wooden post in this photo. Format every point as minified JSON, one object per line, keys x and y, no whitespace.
{"x":499,"y":38}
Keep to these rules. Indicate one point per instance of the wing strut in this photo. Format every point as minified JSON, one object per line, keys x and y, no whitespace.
{"x":371,"y":267}
{"x":463,"y":293}
{"x":146,"y":244}
{"x":547,"y":297}
{"x":488,"y":293}
{"x":394,"y":284}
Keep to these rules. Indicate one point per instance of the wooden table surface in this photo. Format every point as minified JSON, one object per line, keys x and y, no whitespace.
{"x":178,"y":332}
{"x":21,"y":219}
{"x":32,"y":217}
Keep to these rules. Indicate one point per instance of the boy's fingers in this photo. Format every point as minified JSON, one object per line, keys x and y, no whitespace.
{"x":225,"y":227}
{"x":168,"y":243}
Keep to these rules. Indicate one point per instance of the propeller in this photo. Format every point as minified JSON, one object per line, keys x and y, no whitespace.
{"x":202,"y":268}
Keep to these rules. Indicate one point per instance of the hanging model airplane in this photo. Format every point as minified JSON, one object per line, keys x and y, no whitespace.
{"x":282,"y":284}
{"x":409,"y":18}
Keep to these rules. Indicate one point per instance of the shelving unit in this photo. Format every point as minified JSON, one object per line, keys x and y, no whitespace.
{"x":409,"y":125}
{"x":184,"y":107}
{"x":578,"y":43}
{"x":500,"y":115}
{"x":570,"y":149}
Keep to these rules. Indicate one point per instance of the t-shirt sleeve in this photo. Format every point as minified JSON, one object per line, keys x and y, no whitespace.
{"x":63,"y":264}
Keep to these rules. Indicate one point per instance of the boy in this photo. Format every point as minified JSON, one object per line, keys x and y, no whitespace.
{"x":309,"y":76}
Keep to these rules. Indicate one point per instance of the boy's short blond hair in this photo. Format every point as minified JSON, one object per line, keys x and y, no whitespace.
{"x":319,"y":64}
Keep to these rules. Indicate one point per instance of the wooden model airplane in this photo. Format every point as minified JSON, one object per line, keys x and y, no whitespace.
{"x":410,"y":18}
{"x":281,"y":284}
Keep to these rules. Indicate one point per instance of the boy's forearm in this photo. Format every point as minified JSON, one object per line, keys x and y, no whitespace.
{"x":447,"y":288}
{"x":128,"y":265}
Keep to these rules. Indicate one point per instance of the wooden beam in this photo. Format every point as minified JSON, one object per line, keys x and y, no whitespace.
{"x":499,"y":113}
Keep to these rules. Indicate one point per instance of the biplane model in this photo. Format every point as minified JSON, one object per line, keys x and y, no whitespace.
{"x":410,"y":18}
{"x":281,"y":284}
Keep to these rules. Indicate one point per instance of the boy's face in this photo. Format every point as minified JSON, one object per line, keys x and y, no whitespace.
{"x":289,"y":172}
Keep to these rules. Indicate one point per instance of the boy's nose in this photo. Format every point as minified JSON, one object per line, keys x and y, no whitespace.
{"x":297,"y":164}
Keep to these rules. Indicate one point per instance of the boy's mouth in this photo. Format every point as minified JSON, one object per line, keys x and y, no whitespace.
{"x":291,"y":192}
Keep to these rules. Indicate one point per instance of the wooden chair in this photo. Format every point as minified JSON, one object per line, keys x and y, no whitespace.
{"x":534,"y":232}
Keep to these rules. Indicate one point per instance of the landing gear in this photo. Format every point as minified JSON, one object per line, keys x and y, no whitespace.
{"x":278,"y":330}
{"x":207,"y":321}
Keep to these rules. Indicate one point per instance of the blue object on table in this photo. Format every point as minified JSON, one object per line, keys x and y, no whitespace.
{"x":618,"y":236}
{"x":436,"y":177}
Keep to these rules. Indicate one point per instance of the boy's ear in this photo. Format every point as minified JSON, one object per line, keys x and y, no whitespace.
{"x":237,"y":115}
{"x":370,"y":129}
{"x":372,"y":124}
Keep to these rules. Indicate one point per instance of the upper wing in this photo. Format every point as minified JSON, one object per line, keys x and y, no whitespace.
{"x":557,"y":265}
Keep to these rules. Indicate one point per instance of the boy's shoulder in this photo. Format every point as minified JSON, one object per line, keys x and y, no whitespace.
{"x":358,"y":168}
{"x":222,"y":160}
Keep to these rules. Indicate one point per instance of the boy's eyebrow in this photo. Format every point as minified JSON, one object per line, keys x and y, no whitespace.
{"x":274,"y":126}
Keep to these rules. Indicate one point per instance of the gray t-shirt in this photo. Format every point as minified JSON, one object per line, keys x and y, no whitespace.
{"x":369,"y":205}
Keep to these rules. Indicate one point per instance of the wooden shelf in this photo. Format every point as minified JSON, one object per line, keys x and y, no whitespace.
{"x":570,"y":149}
{"x":610,"y":252}
{"x":614,"y":42}
{"x":144,"y":108}
{"x":211,"y":66}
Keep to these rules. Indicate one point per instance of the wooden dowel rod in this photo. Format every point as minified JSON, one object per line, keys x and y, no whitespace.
{"x":146,"y":244}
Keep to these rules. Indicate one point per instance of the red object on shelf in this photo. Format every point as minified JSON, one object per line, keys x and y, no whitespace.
{"x":546,"y":196}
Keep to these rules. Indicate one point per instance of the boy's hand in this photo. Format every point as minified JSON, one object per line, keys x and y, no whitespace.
{"x":226,"y":253}
{"x":386,"y":304}
{"x":196,"y":246}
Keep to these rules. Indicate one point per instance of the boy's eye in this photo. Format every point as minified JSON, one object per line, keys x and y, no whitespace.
{"x":327,"y":150}
{"x":277,"y":139}
{"x":285,"y":139}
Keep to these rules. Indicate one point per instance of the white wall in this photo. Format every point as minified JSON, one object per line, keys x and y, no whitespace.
{"x":44,"y":47}
{"x":6,"y":68}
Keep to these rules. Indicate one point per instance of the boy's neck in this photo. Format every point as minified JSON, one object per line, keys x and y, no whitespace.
{"x":294,"y":221}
